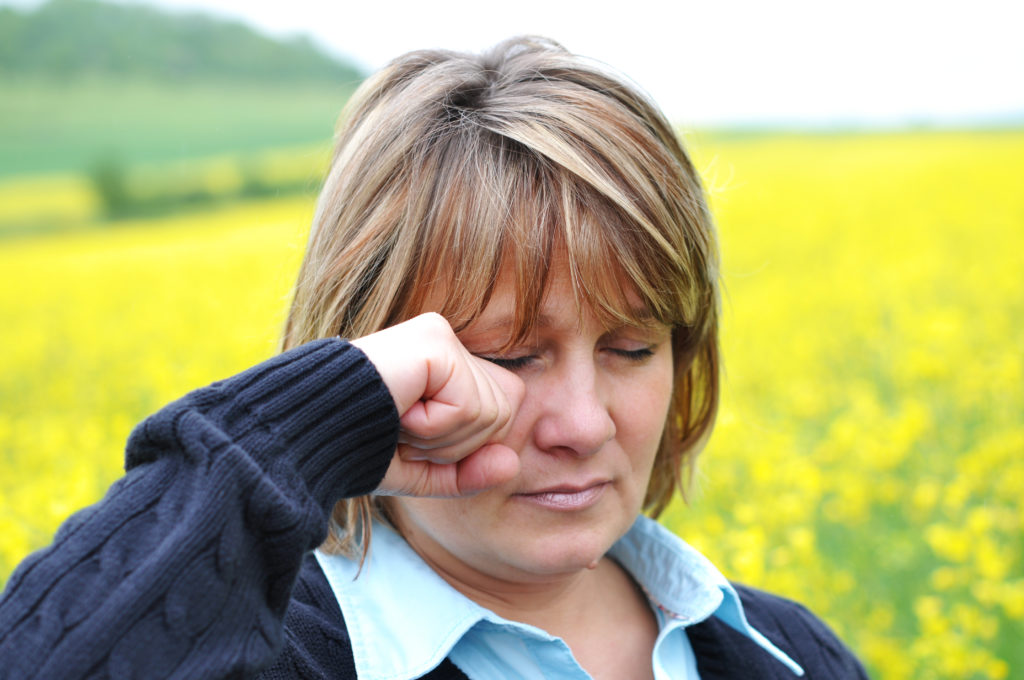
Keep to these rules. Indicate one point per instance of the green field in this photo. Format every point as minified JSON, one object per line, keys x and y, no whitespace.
{"x":50,"y":126}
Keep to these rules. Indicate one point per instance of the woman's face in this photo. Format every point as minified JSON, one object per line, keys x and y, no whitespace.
{"x":587,"y":434}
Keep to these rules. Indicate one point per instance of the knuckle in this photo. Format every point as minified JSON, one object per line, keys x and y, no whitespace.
{"x":433,"y":429}
{"x":471,"y":412}
{"x":435,"y":323}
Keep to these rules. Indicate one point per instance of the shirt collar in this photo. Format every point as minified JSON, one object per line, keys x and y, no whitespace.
{"x":403,"y":619}
{"x":683,"y":584}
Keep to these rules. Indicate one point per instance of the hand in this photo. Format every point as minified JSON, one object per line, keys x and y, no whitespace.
{"x":455,"y":408}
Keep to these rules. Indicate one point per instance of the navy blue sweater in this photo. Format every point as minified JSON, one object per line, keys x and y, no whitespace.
{"x":197,"y":563}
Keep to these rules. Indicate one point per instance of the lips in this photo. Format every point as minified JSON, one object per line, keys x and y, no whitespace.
{"x":566,"y":498}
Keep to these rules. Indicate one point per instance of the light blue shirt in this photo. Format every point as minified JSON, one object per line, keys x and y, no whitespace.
{"x":403,"y":619}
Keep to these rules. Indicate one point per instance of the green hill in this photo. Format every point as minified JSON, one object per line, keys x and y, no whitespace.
{"x":72,"y":38}
{"x":85,"y":82}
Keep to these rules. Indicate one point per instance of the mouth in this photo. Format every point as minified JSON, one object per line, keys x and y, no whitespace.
{"x":566,"y":498}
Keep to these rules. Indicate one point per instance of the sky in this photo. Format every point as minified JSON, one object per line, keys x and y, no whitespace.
{"x":713,"y":62}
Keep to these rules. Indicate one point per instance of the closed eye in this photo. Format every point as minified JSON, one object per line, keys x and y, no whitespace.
{"x":637,"y":355}
{"x":510,"y":363}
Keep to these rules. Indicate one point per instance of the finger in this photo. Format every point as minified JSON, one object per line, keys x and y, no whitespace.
{"x":510,"y":392}
{"x":485,"y":468}
{"x":444,"y":453}
{"x":433,"y":420}
{"x":418,"y":478}
{"x":435,"y":425}
{"x":468,"y":399}
{"x":456,"y":445}
{"x":478,"y":409}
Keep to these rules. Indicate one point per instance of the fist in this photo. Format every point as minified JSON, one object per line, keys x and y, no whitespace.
{"x":455,"y":409}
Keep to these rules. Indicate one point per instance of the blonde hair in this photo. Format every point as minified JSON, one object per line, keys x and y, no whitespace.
{"x":449,"y":167}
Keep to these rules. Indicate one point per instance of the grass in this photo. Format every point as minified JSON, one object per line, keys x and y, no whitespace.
{"x":52,"y":127}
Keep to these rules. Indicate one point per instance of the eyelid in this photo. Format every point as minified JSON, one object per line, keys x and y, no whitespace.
{"x":509,"y":363}
{"x":638,"y":355}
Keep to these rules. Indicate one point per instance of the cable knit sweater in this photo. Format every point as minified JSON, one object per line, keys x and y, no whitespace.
{"x":197,"y":563}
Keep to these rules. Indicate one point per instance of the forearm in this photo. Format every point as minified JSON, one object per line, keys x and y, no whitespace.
{"x":185,"y":567}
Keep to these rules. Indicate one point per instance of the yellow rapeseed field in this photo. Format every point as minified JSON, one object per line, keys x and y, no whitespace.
{"x":869,"y":456}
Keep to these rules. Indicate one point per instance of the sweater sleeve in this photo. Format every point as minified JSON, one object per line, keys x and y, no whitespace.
{"x":186,"y":567}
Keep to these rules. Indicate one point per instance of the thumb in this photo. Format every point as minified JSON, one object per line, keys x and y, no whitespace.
{"x":490,"y":465}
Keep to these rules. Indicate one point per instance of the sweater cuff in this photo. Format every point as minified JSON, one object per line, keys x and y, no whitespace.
{"x":330,"y":416}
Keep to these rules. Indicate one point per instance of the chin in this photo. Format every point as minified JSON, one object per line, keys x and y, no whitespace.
{"x":560,"y":554}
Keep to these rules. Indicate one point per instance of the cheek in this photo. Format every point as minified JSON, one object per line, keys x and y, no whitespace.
{"x":648,"y":418}
{"x":644,"y":404}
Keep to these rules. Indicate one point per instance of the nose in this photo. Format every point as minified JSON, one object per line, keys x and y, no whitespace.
{"x":575,"y":416}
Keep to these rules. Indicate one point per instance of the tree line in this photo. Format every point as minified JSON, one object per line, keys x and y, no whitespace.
{"x":73,"y":38}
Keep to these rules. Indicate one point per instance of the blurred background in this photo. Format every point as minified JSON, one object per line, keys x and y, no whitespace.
{"x":158,"y":167}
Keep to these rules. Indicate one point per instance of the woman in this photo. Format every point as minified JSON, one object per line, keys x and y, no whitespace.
{"x":523,"y":253}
